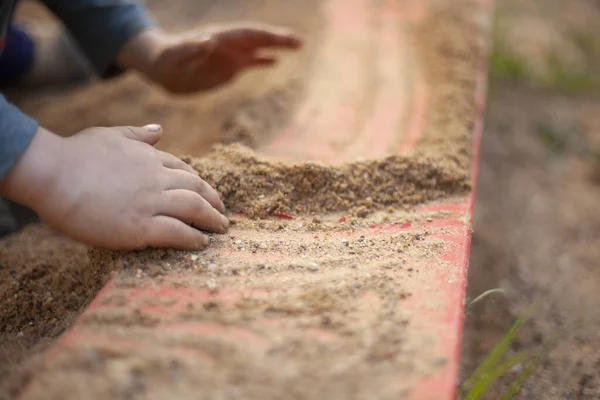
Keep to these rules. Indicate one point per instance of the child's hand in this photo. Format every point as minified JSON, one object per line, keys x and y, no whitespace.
{"x":203,"y":62}
{"x":110,"y":187}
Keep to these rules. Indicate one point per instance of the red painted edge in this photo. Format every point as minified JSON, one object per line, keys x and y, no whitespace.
{"x":429,"y":388}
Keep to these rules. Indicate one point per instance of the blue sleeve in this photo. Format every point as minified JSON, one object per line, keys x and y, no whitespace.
{"x":16,"y":132}
{"x":101,"y":27}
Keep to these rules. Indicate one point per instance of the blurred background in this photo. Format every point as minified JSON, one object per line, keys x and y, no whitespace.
{"x":537,"y":217}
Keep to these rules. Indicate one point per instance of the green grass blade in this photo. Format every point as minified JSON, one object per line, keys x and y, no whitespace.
{"x":532,"y":366}
{"x":488,"y":365}
{"x":482,"y":384}
{"x":493,"y":359}
{"x":485,"y":294}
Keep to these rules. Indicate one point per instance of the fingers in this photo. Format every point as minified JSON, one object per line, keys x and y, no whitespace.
{"x":165,"y":231}
{"x":149,"y":134}
{"x":178,"y":179}
{"x":172,"y":162}
{"x":262,"y":61}
{"x":255,"y":38}
{"x":241,"y":44}
{"x":192,"y":208}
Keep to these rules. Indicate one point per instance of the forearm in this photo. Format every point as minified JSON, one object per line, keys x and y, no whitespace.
{"x":35,"y":170}
{"x":102,"y":28}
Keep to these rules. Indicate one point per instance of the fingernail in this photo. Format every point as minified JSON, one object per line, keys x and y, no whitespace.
{"x":225,"y":221}
{"x":153,"y":127}
{"x":204,"y":241}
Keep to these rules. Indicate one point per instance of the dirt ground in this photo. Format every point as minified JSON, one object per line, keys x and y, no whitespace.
{"x":328,"y":296}
{"x":537,"y":218}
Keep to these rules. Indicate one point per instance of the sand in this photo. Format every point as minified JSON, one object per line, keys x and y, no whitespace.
{"x":45,"y":284}
{"x":337,"y":329}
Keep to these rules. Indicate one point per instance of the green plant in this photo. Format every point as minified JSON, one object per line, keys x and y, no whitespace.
{"x":553,"y":138}
{"x":505,"y":64}
{"x":568,"y":80}
{"x":493,"y":367}
{"x":499,"y":362}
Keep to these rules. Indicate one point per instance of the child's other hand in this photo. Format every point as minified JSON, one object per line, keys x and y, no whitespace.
{"x":110,"y":187}
{"x":205,"y":62}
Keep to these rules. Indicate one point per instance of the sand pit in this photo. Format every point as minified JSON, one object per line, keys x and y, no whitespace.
{"x":346,"y":221}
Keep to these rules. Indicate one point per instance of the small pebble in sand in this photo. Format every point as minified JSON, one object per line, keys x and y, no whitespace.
{"x":212,"y":285}
{"x":313,"y":267}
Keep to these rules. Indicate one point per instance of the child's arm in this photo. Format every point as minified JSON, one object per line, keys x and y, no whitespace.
{"x":107,"y":187}
{"x":102,"y":27}
{"x":119,"y":34}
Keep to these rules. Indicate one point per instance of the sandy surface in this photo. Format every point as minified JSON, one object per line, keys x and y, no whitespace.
{"x":333,"y":294}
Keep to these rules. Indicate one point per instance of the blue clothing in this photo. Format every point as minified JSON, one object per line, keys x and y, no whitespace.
{"x":16,"y":131}
{"x":17,"y":55}
{"x":100,"y":28}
